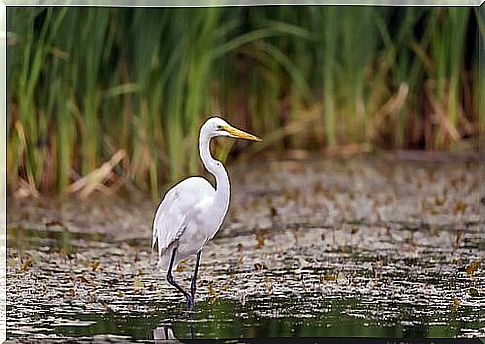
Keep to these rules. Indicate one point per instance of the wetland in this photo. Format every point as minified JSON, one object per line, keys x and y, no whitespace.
{"x":368,"y":246}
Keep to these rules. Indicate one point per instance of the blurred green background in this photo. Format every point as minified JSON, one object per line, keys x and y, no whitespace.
{"x":132,"y":86}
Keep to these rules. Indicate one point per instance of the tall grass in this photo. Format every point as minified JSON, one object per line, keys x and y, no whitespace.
{"x":86,"y":83}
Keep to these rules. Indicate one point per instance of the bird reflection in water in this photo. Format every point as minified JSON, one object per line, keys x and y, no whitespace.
{"x":163,"y":333}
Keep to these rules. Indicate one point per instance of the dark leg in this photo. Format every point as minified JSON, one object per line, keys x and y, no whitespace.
{"x":172,"y":281}
{"x":193,"y":285}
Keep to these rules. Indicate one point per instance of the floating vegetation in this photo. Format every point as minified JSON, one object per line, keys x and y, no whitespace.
{"x":374,"y":265}
{"x":474,"y":266}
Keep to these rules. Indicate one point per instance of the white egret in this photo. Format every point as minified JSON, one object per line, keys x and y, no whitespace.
{"x":192,"y":211}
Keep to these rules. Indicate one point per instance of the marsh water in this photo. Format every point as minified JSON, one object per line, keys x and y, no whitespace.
{"x":369,"y":246}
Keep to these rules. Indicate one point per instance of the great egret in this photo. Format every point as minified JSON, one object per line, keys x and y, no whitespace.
{"x":192,"y":211}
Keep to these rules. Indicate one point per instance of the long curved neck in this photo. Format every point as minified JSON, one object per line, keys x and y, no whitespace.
{"x":217,"y":169}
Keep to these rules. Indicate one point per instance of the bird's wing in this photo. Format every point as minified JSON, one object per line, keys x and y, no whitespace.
{"x":176,"y":210}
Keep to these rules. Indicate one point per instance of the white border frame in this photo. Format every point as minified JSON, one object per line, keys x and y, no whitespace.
{"x":230,"y":3}
{"x":3,"y":172}
{"x":154,"y":3}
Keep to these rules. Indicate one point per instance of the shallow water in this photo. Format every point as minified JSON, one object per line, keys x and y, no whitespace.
{"x":315,"y":263}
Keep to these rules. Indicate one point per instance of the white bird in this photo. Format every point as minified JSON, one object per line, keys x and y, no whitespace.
{"x":192,"y":211}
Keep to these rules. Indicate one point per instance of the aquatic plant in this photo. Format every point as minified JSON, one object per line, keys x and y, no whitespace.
{"x":130,"y":87}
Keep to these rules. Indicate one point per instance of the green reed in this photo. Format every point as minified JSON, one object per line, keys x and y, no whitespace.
{"x":84,"y":83}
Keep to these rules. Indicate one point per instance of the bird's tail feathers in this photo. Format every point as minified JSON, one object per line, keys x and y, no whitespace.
{"x":164,"y":261}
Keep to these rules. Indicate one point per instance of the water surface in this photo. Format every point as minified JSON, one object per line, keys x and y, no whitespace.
{"x":365,"y":249}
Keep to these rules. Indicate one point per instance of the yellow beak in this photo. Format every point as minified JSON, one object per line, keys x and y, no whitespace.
{"x":239,"y":134}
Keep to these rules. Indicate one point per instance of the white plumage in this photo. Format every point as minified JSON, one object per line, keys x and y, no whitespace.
{"x":180,"y":217}
{"x":192,"y":211}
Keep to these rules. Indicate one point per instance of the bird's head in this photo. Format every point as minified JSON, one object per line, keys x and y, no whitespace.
{"x":216,"y":126}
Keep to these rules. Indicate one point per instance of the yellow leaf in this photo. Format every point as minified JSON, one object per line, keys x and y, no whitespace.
{"x":26,"y":264}
{"x":260,"y":266}
{"x":470,"y":270}
{"x":212,"y":291}
{"x":94,"y":265}
{"x":455,"y":305}
{"x":138,"y":284}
